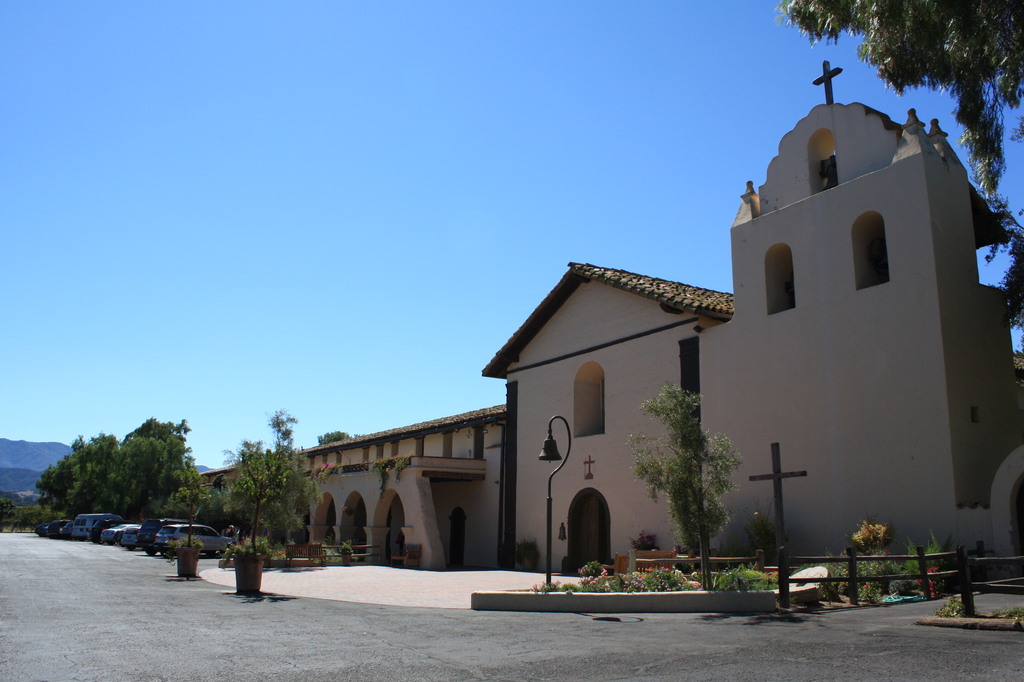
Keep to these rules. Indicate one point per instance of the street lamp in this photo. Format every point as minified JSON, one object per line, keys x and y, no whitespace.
{"x":549,"y":453}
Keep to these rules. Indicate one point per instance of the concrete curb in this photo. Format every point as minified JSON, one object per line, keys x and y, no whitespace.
{"x":619,"y":602}
{"x":1001,"y":624}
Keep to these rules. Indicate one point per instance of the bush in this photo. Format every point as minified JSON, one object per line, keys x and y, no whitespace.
{"x":872,"y":537}
{"x":744,"y":578}
{"x":953,"y":608}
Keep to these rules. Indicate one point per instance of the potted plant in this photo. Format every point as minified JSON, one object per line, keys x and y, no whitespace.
{"x":345,"y":549}
{"x":248,"y":558}
{"x":186,"y":552}
{"x":192,"y":493}
{"x":527,"y":554}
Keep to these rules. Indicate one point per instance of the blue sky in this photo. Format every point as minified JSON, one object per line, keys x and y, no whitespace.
{"x":213,"y":210}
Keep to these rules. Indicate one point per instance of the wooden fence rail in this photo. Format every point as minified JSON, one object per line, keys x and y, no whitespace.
{"x":968,"y":587}
{"x":853,"y":579}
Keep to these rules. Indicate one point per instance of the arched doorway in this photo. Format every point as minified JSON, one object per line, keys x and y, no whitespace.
{"x":394,"y":522}
{"x":331,"y":520}
{"x":457,"y":537}
{"x":589,"y":530}
{"x":354,"y":519}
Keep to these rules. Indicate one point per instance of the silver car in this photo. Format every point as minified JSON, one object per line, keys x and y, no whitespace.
{"x":110,"y":536}
{"x":130,"y":537}
{"x":213,"y":542}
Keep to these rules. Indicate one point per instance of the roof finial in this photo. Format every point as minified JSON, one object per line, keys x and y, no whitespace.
{"x":912,"y":120}
{"x":827,"y":74}
{"x":936,"y":130}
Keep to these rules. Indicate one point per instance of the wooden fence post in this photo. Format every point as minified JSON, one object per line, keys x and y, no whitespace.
{"x":964,"y":574}
{"x":783,"y":578}
{"x":922,"y":568}
{"x":851,"y":573}
{"x":982,"y":571}
{"x":759,"y":554}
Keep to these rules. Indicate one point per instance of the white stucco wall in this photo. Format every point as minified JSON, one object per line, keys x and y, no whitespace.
{"x":634,"y":371}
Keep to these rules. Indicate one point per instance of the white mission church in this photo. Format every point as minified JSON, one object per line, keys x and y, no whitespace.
{"x":858,"y":338}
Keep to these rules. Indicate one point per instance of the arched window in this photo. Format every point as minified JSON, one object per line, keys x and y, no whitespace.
{"x":870,"y":254}
{"x":780,"y":291}
{"x":588,"y":400}
{"x":821,"y":160}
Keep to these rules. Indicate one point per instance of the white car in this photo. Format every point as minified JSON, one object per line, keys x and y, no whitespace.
{"x":213,"y":542}
{"x":110,"y":536}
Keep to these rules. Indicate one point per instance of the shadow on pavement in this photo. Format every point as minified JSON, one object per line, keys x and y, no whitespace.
{"x":258,"y":597}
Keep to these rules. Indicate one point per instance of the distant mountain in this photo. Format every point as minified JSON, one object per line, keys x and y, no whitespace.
{"x":18,"y":479}
{"x":200,"y":468}
{"x":21,"y":454}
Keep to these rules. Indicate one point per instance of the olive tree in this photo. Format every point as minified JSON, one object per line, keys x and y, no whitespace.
{"x":689,"y":467}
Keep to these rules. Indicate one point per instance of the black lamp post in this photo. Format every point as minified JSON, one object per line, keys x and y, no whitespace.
{"x":549,"y":453}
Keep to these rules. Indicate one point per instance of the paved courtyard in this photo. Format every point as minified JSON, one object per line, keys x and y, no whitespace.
{"x":384,"y":585}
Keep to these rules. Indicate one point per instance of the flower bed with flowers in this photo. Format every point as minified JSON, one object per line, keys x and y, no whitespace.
{"x":594,"y":578}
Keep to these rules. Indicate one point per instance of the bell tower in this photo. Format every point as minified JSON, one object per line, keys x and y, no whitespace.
{"x":862,"y":340}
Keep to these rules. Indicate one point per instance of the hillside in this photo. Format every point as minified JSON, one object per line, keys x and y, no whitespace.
{"x":21,"y":454}
{"x":18,"y":479}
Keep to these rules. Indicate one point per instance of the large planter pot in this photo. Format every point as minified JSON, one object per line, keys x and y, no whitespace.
{"x":188,"y":562}
{"x":346,"y":559}
{"x":248,"y":574}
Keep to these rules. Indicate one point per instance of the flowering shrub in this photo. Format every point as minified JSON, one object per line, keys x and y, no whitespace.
{"x":934,"y":585}
{"x":644,"y":541}
{"x":658,"y":580}
{"x":322,"y":471}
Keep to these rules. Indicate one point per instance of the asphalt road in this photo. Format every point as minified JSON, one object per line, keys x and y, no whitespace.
{"x":79,"y":611}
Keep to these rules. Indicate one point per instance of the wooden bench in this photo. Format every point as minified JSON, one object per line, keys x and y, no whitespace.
{"x":621,"y":566}
{"x":359,"y":552}
{"x":411,"y":558}
{"x":308,"y":551}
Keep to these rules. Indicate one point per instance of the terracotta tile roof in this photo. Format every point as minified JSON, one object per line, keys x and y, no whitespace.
{"x":682,"y":297}
{"x":675,"y":296}
{"x":489,"y":414}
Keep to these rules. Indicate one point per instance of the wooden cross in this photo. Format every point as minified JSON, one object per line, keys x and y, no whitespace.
{"x":827,"y":74}
{"x":588,"y":461}
{"x":776,"y":478}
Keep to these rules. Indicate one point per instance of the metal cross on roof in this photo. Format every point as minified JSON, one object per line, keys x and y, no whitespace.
{"x":827,"y":74}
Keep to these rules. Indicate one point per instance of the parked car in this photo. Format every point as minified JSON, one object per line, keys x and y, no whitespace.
{"x":65,"y":530}
{"x":213,"y":542}
{"x":41,"y":529}
{"x":85,"y":522}
{"x":130,"y":537}
{"x":100,"y":526}
{"x":53,"y":528}
{"x":110,"y":536}
{"x":148,"y":530}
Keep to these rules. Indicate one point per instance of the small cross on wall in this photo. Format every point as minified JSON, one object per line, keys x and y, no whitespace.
{"x":590,"y":474}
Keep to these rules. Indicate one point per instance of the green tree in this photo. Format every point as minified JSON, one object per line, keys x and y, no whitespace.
{"x":132,"y":477}
{"x":271,"y":485}
{"x":7,"y":508}
{"x":152,"y":456}
{"x":692,"y":469}
{"x":332,"y":437}
{"x":192,"y":493}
